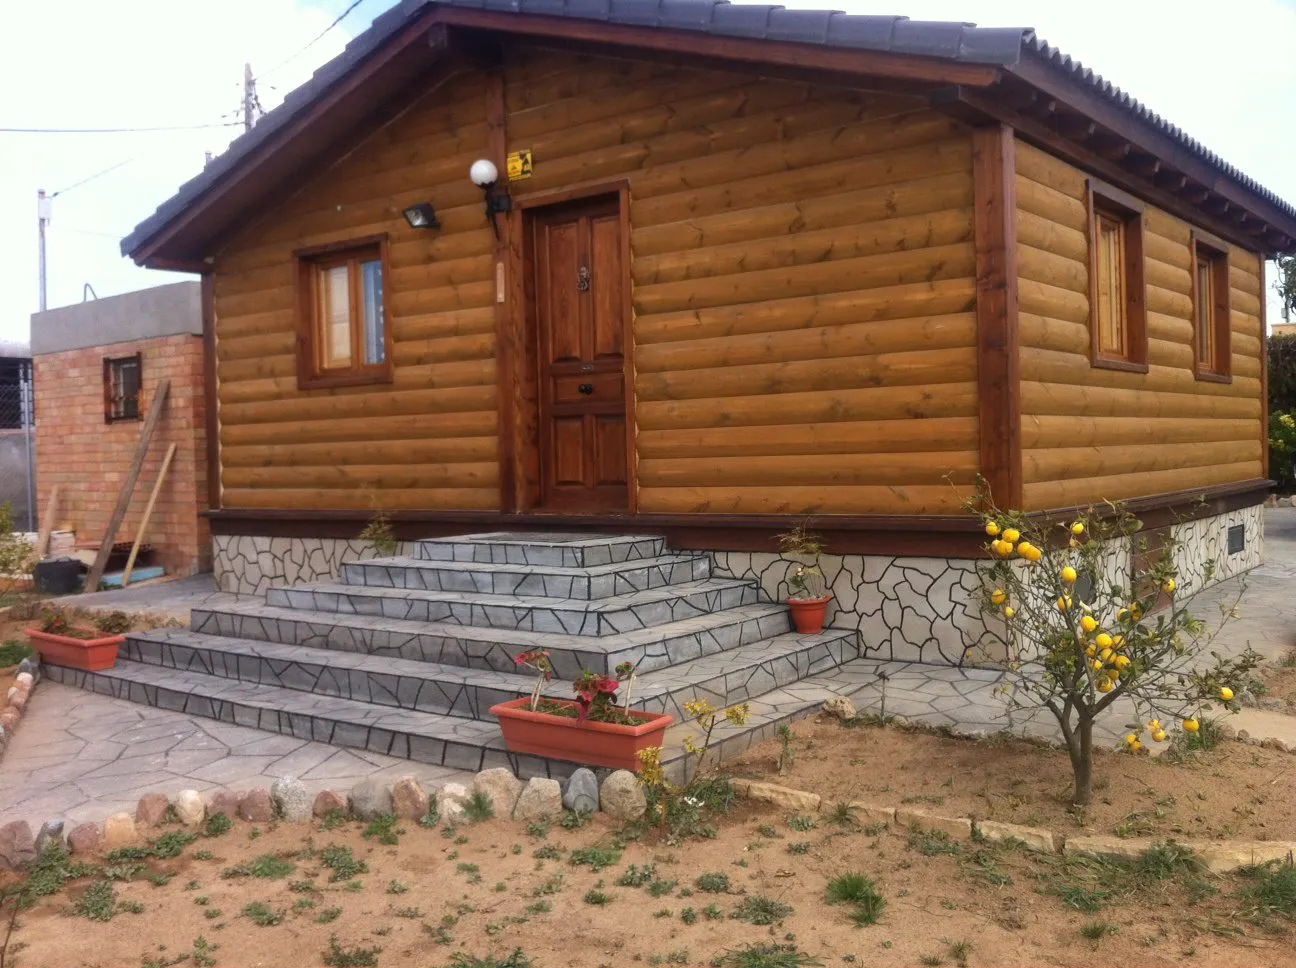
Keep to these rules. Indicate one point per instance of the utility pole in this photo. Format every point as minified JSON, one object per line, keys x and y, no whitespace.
{"x":43,"y":209}
{"x":250,"y":103}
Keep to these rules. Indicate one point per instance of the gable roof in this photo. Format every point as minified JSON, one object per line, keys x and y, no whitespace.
{"x":393,"y":51}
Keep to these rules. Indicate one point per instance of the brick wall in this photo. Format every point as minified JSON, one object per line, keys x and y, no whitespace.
{"x":89,"y":458}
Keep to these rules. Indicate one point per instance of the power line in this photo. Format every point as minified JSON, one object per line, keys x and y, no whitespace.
{"x":177,"y":127}
{"x":90,"y":178}
{"x":318,"y":37}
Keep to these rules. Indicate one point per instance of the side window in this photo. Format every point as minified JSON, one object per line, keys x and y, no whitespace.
{"x":344,"y":336}
{"x":1117,"y":313}
{"x":122,"y":381}
{"x":1212,"y":353}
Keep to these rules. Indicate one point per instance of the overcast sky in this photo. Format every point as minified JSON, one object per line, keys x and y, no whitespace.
{"x":1228,"y":78}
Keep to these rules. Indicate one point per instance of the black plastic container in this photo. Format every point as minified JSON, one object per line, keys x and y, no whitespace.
{"x":58,"y":576}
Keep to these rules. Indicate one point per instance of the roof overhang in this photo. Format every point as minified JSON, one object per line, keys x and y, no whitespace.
{"x":980,"y":74}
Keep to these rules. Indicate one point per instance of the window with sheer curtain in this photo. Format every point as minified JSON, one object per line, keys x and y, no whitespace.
{"x":344,"y":315}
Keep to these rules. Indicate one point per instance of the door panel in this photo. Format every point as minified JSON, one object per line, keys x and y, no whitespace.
{"x":579,"y":288}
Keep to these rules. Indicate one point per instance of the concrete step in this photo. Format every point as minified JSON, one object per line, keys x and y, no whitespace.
{"x":451,"y":741}
{"x":585,"y":618}
{"x":543,"y":581}
{"x":563,"y":550}
{"x":723,"y":678}
{"x":495,"y":648}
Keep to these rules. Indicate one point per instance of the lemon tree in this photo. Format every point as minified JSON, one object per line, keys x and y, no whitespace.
{"x":1079,"y":634}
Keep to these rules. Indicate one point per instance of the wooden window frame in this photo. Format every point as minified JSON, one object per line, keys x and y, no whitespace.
{"x":109,"y":363}
{"x":1104,"y":199}
{"x":1220,"y":368}
{"x":311,"y":374}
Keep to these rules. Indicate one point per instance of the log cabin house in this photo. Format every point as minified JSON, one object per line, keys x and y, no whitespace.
{"x":740,"y":264}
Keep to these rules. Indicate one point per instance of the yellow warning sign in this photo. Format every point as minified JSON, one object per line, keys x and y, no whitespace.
{"x":519,"y":164}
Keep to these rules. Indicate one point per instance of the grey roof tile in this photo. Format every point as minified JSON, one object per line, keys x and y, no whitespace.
{"x":951,"y":41}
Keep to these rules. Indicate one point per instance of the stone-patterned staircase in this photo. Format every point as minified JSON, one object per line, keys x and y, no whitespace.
{"x":405,"y":656}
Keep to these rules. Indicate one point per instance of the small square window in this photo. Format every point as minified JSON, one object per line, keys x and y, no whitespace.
{"x":122,"y":382}
{"x":1236,"y":539}
{"x":1118,"y":316}
{"x":1210,"y":294}
{"x":342,"y":309}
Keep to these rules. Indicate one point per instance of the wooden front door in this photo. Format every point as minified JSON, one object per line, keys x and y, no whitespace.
{"x":578,"y":287}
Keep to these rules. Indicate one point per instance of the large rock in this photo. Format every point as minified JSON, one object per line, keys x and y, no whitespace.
{"x":786,"y":798}
{"x":541,"y":798}
{"x":326,"y":802}
{"x":17,"y":845}
{"x":51,"y":832}
{"x":85,"y":838}
{"x":29,"y":666}
{"x":450,"y":802}
{"x":868,"y":813}
{"x":226,"y":802}
{"x":839,"y":706}
{"x":291,"y":799}
{"x":257,"y":807}
{"x":499,"y":786}
{"x":119,"y":831}
{"x":621,"y":796}
{"x":581,"y":792}
{"x":957,"y":827}
{"x":371,"y":798}
{"x":1232,"y":854}
{"x":409,"y":802}
{"x":189,"y":807}
{"x":1113,"y":848}
{"x":152,"y":810}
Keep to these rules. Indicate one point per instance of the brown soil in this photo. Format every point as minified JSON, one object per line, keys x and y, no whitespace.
{"x":1231,"y":792}
{"x":934,"y":902}
{"x":1280,"y":681}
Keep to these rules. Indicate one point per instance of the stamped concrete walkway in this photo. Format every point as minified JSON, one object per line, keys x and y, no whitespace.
{"x":82,"y":756}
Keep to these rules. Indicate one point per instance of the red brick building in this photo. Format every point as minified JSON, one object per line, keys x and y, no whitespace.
{"x":98,"y":366}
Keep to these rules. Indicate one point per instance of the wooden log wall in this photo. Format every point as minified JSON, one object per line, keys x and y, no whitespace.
{"x":803,"y":289}
{"x":1093,"y":434}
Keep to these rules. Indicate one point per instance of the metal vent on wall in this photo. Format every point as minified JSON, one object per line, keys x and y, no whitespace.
{"x":1236,"y":539}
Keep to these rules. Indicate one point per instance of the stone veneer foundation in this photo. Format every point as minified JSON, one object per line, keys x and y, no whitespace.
{"x":908,"y":609}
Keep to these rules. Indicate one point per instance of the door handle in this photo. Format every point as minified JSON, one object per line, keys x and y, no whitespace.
{"x":586,"y":388}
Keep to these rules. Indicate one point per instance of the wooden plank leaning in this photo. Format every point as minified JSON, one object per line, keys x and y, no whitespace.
{"x":148,"y":513}
{"x":128,"y":488}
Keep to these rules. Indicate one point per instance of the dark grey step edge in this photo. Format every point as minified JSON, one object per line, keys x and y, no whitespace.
{"x":659,"y":606}
{"x":457,"y":646}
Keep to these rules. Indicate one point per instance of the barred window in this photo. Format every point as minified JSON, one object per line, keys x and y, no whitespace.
{"x":122,"y":388}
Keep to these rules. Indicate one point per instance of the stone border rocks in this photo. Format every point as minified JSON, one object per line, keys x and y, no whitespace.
{"x":1219,"y":857}
{"x":15,"y":702}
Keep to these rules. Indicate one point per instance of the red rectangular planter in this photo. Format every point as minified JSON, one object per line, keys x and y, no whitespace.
{"x":591,"y":744}
{"x":89,"y":655}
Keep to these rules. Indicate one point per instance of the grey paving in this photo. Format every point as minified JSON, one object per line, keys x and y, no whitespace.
{"x":171,"y":599}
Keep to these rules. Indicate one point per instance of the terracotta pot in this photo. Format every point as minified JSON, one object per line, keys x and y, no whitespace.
{"x":808,"y":613}
{"x":89,"y":655}
{"x":587,"y":743}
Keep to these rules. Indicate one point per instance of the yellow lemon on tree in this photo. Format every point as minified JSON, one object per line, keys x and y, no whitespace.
{"x":1226,"y":693}
{"x":998,"y":596}
{"x":1191,"y":725}
{"x":1159,"y":736}
{"x":1169,"y":586}
{"x":1118,"y":642}
{"x":1088,"y":623}
{"x":1131,"y":739}
{"x":1104,"y":640}
{"x":1064,"y":603}
{"x":1069,"y":575}
{"x":1122,"y":614}
{"x":992,"y":529}
{"x":1002,"y":548}
{"x":1091,"y":651}
{"x":1009,"y":611}
{"x":1122,"y":662}
{"x":1105,"y":654}
{"x":1113,"y":675}
{"x":1077,"y":529}
{"x":1135,"y":746}
{"x":1096,"y":665}
{"x":1105,"y":685}
{"x":1011,"y":535}
{"x":1034,"y":554}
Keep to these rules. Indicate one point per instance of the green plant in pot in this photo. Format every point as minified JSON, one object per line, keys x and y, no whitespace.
{"x":808,"y":598}
{"x":92,"y":650}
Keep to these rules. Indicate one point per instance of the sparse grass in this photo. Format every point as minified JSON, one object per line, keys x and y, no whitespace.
{"x":217,"y":825}
{"x":768,"y":830}
{"x":1097,"y":930}
{"x":342,"y":863}
{"x":929,"y":843}
{"x":1271,"y":890}
{"x":758,"y":909}
{"x":799,"y":847}
{"x":713,"y":882}
{"x":596,"y":858}
{"x":538,"y":829}
{"x":328,"y":915}
{"x":98,"y":903}
{"x":515,"y":959}
{"x":547,"y":852}
{"x":202,"y":953}
{"x":202,"y":855}
{"x":540,"y":907}
{"x":412,"y":913}
{"x":479,"y":808}
{"x":802,"y":822}
{"x":171,"y":844}
{"x":575,"y":819}
{"x":385,"y":828}
{"x":267,"y":866}
{"x":689,"y":916}
{"x":959,"y":951}
{"x":712,"y":912}
{"x":397,"y":887}
{"x":13,"y":652}
{"x":849,"y":888}
{"x":333,"y":819}
{"x":338,"y":957}
{"x":597,"y":898}
{"x":262,"y":915}
{"x":766,"y":956}
{"x":635,"y":876}
{"x":302,"y":887}
{"x":660,"y":888}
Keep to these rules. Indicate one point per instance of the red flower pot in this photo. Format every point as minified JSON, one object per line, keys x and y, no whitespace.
{"x":587,"y":743}
{"x":808,"y":613}
{"x":89,"y":655}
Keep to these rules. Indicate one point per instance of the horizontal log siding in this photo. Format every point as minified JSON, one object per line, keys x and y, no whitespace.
{"x":429,"y":438}
{"x":1092,"y":434}
{"x":804,"y":298}
{"x":803,"y":270}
